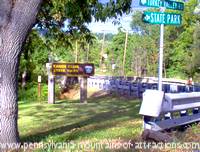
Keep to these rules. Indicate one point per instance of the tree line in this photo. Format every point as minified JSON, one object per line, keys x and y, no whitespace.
{"x":181,"y":48}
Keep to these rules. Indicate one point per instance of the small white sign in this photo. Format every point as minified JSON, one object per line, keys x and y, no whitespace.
{"x":152,"y":103}
{"x":113,"y":66}
{"x":39,"y":78}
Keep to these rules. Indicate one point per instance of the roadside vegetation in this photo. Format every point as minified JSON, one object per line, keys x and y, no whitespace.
{"x":104,"y":119}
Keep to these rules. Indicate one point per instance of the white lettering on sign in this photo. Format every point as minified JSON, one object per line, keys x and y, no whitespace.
{"x":158,"y":17}
{"x":156,"y":3}
{"x":162,"y":18}
{"x":173,"y":18}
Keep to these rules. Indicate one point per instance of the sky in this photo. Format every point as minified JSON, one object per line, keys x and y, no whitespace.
{"x":125,"y":20}
{"x":109,"y":27}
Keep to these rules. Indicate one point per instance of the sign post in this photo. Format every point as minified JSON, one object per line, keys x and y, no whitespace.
{"x":39,"y":87}
{"x":160,"y":69}
{"x":162,"y":18}
{"x":83,"y":90}
{"x":51,"y":84}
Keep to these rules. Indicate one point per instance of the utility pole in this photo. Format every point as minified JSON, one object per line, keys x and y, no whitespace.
{"x":88,"y":52}
{"x":125,"y":47}
{"x":102,"y":50}
{"x":76,"y":52}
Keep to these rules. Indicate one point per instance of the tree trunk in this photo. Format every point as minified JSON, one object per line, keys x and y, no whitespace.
{"x":19,"y":19}
{"x":8,"y":107}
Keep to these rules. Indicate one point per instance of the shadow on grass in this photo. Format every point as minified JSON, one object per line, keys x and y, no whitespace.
{"x":117,"y":110}
{"x":92,"y":99}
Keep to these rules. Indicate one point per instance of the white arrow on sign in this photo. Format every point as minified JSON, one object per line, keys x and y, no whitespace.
{"x":147,"y":17}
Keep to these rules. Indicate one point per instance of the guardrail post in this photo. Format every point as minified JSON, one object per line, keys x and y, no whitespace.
{"x":195,"y":110}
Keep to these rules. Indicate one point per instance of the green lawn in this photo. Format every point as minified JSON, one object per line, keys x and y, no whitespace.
{"x":101,"y":119}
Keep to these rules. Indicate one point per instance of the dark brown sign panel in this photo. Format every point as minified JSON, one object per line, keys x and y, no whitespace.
{"x":73,"y":69}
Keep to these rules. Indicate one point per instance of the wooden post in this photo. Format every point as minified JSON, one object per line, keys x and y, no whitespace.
{"x":39,"y":90}
{"x":83,"y":90}
{"x":39,"y":87}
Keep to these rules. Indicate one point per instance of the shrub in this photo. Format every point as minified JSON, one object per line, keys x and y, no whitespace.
{"x":30,"y":92}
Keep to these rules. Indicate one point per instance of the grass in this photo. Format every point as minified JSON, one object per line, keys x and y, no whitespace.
{"x":101,"y":119}
{"x":104,"y":119}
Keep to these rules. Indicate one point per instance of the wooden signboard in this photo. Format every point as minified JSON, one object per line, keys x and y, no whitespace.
{"x":73,"y":69}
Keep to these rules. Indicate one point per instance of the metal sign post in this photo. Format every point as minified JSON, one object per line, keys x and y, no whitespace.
{"x":162,"y":19}
{"x":160,"y":69}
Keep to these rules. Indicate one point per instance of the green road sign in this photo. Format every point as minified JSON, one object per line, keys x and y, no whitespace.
{"x":163,"y":3}
{"x":162,"y":18}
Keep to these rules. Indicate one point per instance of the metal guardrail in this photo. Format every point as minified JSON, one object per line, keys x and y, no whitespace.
{"x":134,"y":87}
{"x":178,"y":103}
{"x":164,"y":111}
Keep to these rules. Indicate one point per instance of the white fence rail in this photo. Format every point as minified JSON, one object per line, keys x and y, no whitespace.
{"x":164,"y":111}
{"x":134,"y":87}
{"x":177,"y":104}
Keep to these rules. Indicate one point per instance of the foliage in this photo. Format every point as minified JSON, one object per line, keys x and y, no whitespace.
{"x":77,"y":13}
{"x":59,"y":25}
{"x":181,"y":52}
{"x":146,"y":39}
{"x":30,"y":93}
{"x":180,"y":45}
{"x":34,"y":57}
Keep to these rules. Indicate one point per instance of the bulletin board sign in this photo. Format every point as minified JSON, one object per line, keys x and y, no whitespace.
{"x":73,"y":69}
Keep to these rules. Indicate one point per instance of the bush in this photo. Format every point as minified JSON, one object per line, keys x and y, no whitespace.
{"x":173,"y":73}
{"x":196,"y":77}
{"x":30,"y":92}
